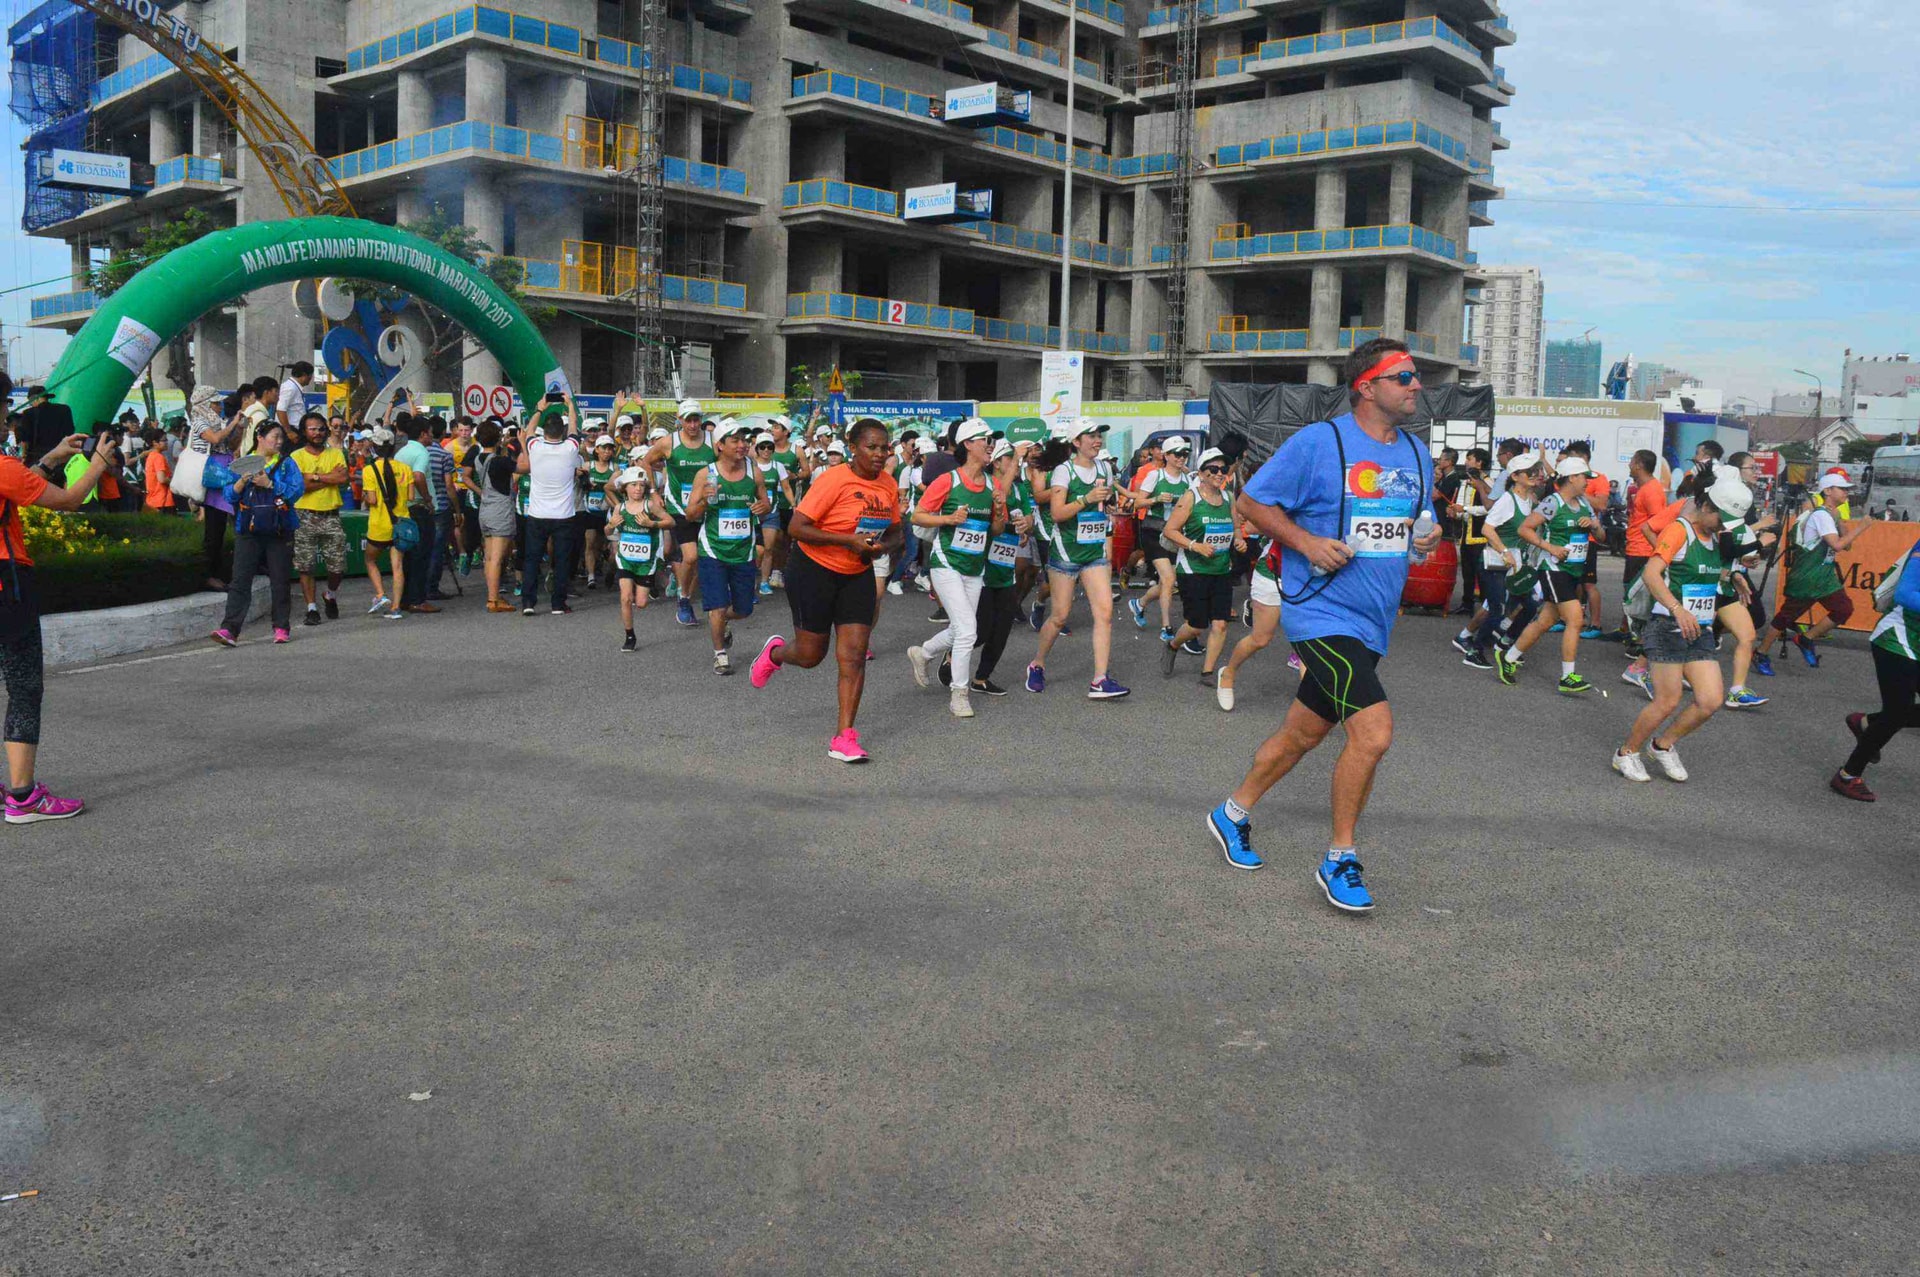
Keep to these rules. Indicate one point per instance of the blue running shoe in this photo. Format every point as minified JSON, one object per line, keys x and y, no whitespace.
{"x":1809,"y":651}
{"x":1107,"y":690}
{"x":685,"y":616}
{"x":1340,"y":879}
{"x":765,"y":590}
{"x":1166,"y":635}
{"x":1036,"y":618}
{"x":1036,"y":679}
{"x":1235,"y":838}
{"x":1590,"y":632}
{"x":1741,"y":698}
{"x":1194,"y":647}
{"x":1558,"y":627}
{"x":1761,"y":665}
{"x":1139,"y":612}
{"x":1640,"y":679}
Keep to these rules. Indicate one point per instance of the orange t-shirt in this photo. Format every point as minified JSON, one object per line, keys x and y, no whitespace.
{"x":1648,"y":500}
{"x":838,"y":502}
{"x":158,"y":474}
{"x":19,"y":486}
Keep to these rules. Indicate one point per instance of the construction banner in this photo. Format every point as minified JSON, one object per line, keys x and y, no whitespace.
{"x":1879,"y":550}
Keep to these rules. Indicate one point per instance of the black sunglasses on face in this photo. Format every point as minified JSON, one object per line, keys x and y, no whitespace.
{"x":1213,"y":469}
{"x":1405,"y":377}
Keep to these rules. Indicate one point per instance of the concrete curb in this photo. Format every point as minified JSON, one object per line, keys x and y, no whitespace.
{"x":80,"y":638}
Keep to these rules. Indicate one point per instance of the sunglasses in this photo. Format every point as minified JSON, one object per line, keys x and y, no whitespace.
{"x":1405,"y":377}
{"x":1213,"y":469}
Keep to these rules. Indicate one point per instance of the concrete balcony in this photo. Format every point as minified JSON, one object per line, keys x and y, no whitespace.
{"x":1479,"y":213}
{"x":1499,"y":139}
{"x":135,"y":84}
{"x":1247,"y":161}
{"x":186,"y":181}
{"x":1109,"y":16}
{"x":909,"y":20}
{"x":922,"y":322}
{"x":1008,"y":332}
{"x":1290,"y":248}
{"x":1233,"y":343}
{"x":1042,"y":64}
{"x":600,"y":276}
{"x":64,"y":311}
{"x":512,"y":151}
{"x":1424,"y":41}
{"x":823,"y":200}
{"x":1165,"y":21}
{"x":1499,"y":30}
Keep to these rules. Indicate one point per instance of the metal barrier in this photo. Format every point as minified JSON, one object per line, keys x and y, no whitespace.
{"x":884,"y":311}
{"x":1345,"y":240}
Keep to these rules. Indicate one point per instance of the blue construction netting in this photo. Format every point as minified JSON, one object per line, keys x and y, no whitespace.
{"x":53,"y":69}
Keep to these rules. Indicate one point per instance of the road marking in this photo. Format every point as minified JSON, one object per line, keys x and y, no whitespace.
{"x":139,"y":660}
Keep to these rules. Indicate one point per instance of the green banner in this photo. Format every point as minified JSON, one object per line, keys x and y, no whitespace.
{"x":104,"y":357}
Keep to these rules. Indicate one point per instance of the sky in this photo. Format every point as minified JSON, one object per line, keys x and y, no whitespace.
{"x":1625,"y":109}
{"x":1630,"y":120}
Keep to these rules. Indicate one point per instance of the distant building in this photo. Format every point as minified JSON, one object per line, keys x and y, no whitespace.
{"x":1799,"y":404}
{"x":1572,"y":370}
{"x":1885,"y":414}
{"x":1648,"y":380}
{"x":1860,"y":378}
{"x":1507,"y":328}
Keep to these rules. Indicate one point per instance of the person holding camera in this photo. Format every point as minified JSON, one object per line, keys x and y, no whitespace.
{"x":264,"y":520}
{"x":22,"y":662}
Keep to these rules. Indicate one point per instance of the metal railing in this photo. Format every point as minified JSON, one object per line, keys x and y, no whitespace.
{"x":585,"y":275}
{"x":498,"y":139}
{"x":822,"y":192}
{"x":53,"y":305}
{"x":886,"y":312}
{"x":1170,"y":15}
{"x":887,"y":97}
{"x":1350,"y":38}
{"x":188,"y":168}
{"x":1012,"y":332}
{"x":1345,"y":240}
{"x":1360,"y":137}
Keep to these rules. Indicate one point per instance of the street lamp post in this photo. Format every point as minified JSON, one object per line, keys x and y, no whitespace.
{"x":1819,"y":391}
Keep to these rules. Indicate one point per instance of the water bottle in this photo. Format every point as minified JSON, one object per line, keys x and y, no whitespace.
{"x":1422,"y":527}
{"x":1353,"y":541}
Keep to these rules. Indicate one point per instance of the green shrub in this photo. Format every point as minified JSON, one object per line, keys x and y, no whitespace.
{"x":161,"y":559}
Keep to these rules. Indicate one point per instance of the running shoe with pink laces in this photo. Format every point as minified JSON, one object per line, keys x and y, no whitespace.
{"x":846,"y":748}
{"x":41,"y":805}
{"x":282,"y":636}
{"x":764,"y":667}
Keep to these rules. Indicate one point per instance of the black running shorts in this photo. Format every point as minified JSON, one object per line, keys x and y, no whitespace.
{"x":822,"y":598}
{"x":1341,"y":677}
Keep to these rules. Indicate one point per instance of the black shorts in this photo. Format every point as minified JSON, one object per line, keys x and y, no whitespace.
{"x":1205,"y":597}
{"x":1560,"y":587}
{"x":1590,"y":575}
{"x":686,"y":532}
{"x":1631,"y":573}
{"x":822,"y":598}
{"x":644,"y":582}
{"x":1341,"y":677}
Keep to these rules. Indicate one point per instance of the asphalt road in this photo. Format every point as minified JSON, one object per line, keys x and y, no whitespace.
{"x":688,"y":997}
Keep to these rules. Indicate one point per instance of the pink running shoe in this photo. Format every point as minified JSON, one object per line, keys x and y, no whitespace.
{"x":41,"y":805}
{"x":282,"y":636}
{"x":764,"y":666}
{"x":1293,"y":663}
{"x":846,"y":748}
{"x":224,"y":637}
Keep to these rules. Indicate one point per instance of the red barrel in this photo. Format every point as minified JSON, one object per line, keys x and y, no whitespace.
{"x":1430,"y":584}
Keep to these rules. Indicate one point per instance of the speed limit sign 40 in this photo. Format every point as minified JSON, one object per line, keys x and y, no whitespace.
{"x":474,"y":399}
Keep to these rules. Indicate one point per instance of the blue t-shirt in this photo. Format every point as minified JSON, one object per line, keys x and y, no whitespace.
{"x":1385,"y":487}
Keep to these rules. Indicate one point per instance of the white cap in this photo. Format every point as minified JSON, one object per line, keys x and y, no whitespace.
{"x":1179,"y":443}
{"x":730,"y":426}
{"x":971,"y":428}
{"x":637,"y":453}
{"x":1834,"y":481}
{"x":689,"y":408}
{"x":763,"y":437}
{"x":594,"y":425}
{"x":380,"y":435}
{"x":783,"y":422}
{"x":1729,"y":495}
{"x":604,"y":441}
{"x":1570,"y":466}
{"x":632,"y":474}
{"x":836,"y":446}
{"x":1525,"y":461}
{"x":1083,"y":426}
{"x":1001,"y":448}
{"x":624,"y":419}
{"x":822,"y":429}
{"x":658,"y":432}
{"x":1211,"y":454}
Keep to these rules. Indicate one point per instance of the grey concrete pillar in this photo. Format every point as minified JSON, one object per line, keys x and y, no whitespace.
{"x":163,"y":139}
{"x":1394,"y":322}
{"x":815,"y":264}
{"x":1400,"y":194}
{"x":82,"y":264}
{"x":1023,"y":296}
{"x":414,"y":104}
{"x":1324,"y":314}
{"x":216,"y":343}
{"x":1329,"y":198}
{"x":483,"y":210}
{"x":486,"y":86}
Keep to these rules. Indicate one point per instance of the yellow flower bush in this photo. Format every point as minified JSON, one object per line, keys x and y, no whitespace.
{"x":50,"y":532}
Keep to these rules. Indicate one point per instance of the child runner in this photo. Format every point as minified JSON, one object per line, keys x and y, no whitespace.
{"x":637,"y":529}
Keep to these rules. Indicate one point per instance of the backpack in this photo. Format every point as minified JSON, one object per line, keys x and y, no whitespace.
{"x":262,"y":512}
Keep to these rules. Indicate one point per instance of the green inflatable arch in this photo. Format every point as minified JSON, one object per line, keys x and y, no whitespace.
{"x":101,"y":362}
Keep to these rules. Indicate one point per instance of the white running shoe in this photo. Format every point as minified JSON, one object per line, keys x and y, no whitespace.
{"x":1669,"y":760}
{"x":959,"y":704}
{"x":1630,"y":766}
{"x":922,"y":665}
{"x":893,"y":587}
{"x":1223,"y":694}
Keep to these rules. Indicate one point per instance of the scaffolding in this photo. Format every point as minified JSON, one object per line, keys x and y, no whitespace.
{"x":1186,"y":62}
{"x":53,"y":69}
{"x":652,"y":362}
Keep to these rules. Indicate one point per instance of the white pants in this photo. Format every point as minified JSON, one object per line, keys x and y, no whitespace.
{"x":959,"y":594}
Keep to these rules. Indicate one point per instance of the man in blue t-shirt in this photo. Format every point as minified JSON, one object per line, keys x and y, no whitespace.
{"x":1339,"y":501}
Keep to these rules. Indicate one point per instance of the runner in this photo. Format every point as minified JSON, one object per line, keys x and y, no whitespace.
{"x":1081,"y":489}
{"x":848,"y":520}
{"x":1202,"y":527}
{"x":683,"y":455}
{"x":1896,"y":666}
{"x":1684,"y":577}
{"x":1157,"y":492}
{"x":777,"y":477}
{"x":1262,"y":617}
{"x":595,"y":480}
{"x":1341,"y":499}
{"x":636,"y":527}
{"x":1148,"y":458}
{"x":1508,"y":576}
{"x":727,"y":499}
{"x":1560,"y":529}
{"x":962,"y":514}
{"x":787,"y":454}
{"x":1812,"y":576}
{"x":999,"y":602}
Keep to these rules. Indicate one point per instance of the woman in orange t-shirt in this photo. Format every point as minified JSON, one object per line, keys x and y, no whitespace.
{"x":21,"y":660}
{"x":158,"y":472}
{"x":849,"y":517}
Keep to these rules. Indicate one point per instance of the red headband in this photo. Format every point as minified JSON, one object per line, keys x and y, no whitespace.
{"x":1387,"y":361}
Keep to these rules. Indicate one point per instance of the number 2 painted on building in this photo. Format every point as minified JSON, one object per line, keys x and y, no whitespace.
{"x":896,"y":312}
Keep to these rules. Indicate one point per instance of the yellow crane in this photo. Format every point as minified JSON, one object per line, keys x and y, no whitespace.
{"x":305,"y":183}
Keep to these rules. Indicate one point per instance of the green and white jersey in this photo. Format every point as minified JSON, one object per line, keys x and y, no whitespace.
{"x":594,"y":499}
{"x":1899,"y":629}
{"x":522,"y":493}
{"x":683,"y":463}
{"x":1003,"y":552}
{"x":772,"y":474}
{"x":963,"y":547}
{"x":1080,"y":538}
{"x":1563,"y":528}
{"x":1694,"y":577}
{"x":1814,"y":575}
{"x":726,"y":532}
{"x":1158,"y":483}
{"x":1211,"y":524}
{"x":636,"y":546}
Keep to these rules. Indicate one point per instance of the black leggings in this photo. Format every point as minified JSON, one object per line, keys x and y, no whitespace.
{"x":21,"y":661}
{"x":994,"y":620}
{"x":1899,"y":686}
{"x":213,"y":543}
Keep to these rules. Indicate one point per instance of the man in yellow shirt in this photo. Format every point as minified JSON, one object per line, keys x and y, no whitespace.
{"x":320,"y":535}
